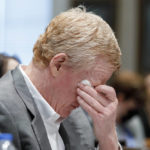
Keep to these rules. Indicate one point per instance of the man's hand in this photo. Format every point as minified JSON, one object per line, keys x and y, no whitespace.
{"x":101,"y":104}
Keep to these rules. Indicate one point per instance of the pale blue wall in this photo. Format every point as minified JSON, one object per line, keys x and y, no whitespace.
{"x":21,"y":23}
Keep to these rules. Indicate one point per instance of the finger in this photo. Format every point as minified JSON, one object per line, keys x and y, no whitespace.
{"x":93,"y":93}
{"x":88,"y":89}
{"x":103,"y":99}
{"x":92,"y":112}
{"x":112,"y":106}
{"x":107,"y":91}
{"x":90,"y":100}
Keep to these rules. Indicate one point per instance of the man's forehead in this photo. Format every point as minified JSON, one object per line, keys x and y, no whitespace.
{"x":100,"y":75}
{"x":98,"y":78}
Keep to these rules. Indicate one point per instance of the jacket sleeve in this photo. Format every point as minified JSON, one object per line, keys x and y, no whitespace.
{"x":119,"y":147}
{"x":7,"y":125}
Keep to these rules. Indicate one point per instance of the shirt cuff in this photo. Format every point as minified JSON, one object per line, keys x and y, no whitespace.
{"x":119,"y":147}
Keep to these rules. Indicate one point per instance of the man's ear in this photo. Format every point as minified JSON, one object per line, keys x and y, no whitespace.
{"x":56,"y":63}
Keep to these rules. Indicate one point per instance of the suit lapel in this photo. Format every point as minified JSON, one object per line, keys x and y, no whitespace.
{"x":40,"y":132}
{"x":64,"y":136}
{"x":37,"y":123}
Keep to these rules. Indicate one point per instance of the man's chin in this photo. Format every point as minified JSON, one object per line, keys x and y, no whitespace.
{"x":67,"y":113}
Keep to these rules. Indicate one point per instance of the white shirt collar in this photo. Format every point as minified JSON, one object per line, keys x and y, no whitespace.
{"x":46,"y":111}
{"x":50,"y":118}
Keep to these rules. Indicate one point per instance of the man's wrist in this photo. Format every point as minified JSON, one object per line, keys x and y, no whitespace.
{"x":119,"y":147}
{"x":109,"y":142}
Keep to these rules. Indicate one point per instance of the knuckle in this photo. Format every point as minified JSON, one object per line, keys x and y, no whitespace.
{"x":112,"y":89}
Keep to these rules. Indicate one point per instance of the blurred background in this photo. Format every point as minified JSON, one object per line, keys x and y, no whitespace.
{"x":22,"y":21}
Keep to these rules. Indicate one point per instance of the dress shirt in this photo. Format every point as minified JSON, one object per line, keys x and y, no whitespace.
{"x":49,"y":116}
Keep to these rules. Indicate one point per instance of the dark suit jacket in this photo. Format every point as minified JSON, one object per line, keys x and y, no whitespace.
{"x":19,"y":115}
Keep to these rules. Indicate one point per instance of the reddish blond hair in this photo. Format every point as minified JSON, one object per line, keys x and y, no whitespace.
{"x":81,"y":35}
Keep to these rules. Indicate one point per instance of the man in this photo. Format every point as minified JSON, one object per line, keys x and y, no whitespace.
{"x":34,"y":99}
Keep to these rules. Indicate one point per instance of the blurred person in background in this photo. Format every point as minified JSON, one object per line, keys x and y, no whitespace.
{"x":34,"y":99}
{"x":130,"y":94}
{"x":7,"y":63}
{"x":147,"y":89}
{"x":147,"y":85}
{"x":146,"y":111}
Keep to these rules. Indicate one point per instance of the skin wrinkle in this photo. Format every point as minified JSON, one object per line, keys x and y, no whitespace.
{"x":72,"y":77}
{"x":101,"y":77}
